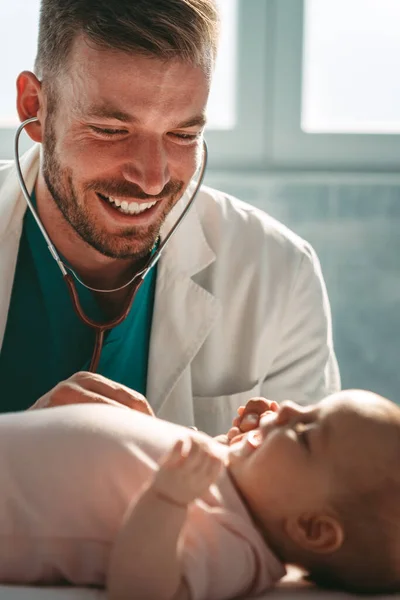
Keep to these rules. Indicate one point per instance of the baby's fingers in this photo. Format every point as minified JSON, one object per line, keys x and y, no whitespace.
{"x":208,"y":471}
{"x":260,"y":405}
{"x":248,"y":422}
{"x":237,"y":419}
{"x":249,"y":418}
{"x":201,"y":458}
{"x":232,"y":433}
{"x":175,"y":456}
{"x":214,"y":468}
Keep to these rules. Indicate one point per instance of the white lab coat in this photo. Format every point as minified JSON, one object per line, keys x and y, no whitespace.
{"x":240,"y":308}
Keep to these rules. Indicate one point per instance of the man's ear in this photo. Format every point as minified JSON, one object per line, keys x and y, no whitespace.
{"x":30,"y":103}
{"x":320,"y":533}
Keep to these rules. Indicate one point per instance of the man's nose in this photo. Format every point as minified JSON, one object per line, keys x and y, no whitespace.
{"x":148,"y":166}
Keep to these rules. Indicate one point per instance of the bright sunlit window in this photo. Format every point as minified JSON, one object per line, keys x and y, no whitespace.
{"x":222,"y":102}
{"x":351,"y":66}
{"x":18,"y":38}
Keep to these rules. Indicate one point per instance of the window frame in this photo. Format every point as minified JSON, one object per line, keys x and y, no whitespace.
{"x":296,"y":149}
{"x":247,"y":145}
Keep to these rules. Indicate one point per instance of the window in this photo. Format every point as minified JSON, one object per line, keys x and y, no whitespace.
{"x":322,"y":48}
{"x":350,"y":69}
{"x":18,"y":31}
{"x":244,"y":145}
{"x":222,"y":101}
{"x":18,"y":37}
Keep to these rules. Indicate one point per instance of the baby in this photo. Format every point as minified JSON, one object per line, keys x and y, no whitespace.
{"x":329,"y":487}
{"x":97,"y":495}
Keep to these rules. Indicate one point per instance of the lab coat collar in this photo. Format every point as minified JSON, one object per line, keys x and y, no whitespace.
{"x":12,"y":210}
{"x":12,"y":201}
{"x":188,"y":251}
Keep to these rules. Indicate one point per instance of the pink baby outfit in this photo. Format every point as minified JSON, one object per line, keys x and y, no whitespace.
{"x":67,"y":477}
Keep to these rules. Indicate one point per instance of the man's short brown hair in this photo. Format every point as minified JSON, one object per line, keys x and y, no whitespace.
{"x":165,"y":29}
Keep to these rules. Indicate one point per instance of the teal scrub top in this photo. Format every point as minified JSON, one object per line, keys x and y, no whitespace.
{"x":45,"y":342}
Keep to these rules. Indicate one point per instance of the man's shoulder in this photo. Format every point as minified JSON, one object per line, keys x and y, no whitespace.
{"x":5,"y":168}
{"x":28,"y":163}
{"x":227,"y":219}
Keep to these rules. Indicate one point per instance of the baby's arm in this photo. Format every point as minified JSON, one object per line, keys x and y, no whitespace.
{"x":145,"y":561}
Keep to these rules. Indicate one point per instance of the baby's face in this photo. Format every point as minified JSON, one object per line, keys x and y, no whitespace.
{"x":301,"y":456}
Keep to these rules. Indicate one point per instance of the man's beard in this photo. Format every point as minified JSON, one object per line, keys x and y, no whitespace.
{"x":132,"y":242}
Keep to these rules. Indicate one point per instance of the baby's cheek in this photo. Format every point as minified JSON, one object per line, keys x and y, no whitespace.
{"x":276,"y":454}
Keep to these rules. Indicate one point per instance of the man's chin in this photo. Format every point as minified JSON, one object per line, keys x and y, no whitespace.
{"x":126,"y":254}
{"x":125,"y":246}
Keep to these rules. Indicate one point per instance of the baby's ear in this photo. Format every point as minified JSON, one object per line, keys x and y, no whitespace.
{"x":315,"y":532}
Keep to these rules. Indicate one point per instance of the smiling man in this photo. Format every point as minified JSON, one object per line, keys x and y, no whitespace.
{"x":237,"y":305}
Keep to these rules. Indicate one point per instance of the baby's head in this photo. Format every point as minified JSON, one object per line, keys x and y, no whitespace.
{"x":323,"y":484}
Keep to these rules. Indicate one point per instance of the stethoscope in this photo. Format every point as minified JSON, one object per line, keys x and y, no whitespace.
{"x":68,"y":273}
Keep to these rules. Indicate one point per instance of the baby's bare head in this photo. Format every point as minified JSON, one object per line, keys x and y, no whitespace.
{"x":366,"y":501}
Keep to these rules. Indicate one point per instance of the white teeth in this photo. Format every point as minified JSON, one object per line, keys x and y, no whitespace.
{"x":131,"y":208}
{"x":134,"y":208}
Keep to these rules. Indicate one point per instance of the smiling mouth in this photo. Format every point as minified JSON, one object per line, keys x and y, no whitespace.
{"x":125,"y":207}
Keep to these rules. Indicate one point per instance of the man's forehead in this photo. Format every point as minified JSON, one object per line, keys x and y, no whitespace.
{"x":115,"y":93}
{"x":87,"y":55}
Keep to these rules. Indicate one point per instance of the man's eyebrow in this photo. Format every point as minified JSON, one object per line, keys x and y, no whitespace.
{"x":193,"y":122}
{"x":104,"y":111}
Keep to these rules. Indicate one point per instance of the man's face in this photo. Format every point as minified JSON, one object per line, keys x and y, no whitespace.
{"x":300,"y":457}
{"x":122,"y":141}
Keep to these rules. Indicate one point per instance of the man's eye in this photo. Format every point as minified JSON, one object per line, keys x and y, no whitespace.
{"x":107,"y":132}
{"x":186,"y":137}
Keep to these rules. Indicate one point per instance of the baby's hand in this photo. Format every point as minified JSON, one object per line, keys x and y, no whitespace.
{"x":249,"y":417}
{"x":186,"y":472}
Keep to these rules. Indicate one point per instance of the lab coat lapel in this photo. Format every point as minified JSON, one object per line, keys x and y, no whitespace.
{"x":12,"y":210}
{"x":184,"y":312}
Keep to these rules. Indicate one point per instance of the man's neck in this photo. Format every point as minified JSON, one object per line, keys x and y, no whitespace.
{"x":95,"y":269}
